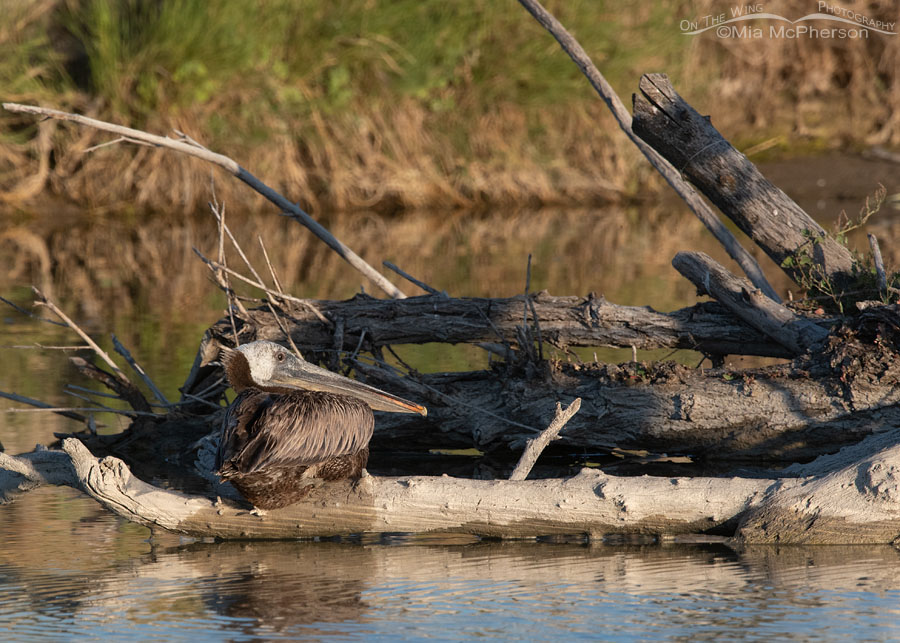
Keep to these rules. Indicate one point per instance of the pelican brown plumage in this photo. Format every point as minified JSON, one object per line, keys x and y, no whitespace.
{"x":292,"y":421}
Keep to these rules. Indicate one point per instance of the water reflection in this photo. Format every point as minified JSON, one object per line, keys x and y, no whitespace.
{"x":68,"y":569}
{"x":89,"y":575}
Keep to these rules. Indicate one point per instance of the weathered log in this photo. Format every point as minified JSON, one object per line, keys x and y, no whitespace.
{"x":794,"y":332}
{"x":765,"y":416}
{"x":564,"y":321}
{"x":590,"y":502}
{"x":761,"y":210}
{"x":856,"y":503}
{"x":774,"y":415}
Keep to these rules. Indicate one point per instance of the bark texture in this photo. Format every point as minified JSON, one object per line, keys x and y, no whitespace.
{"x":564,"y":321}
{"x":855,"y":502}
{"x":727,"y":178}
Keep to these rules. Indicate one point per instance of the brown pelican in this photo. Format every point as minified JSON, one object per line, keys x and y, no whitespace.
{"x":292,"y":421}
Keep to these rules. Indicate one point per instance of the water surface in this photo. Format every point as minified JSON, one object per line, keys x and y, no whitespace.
{"x":69,"y":570}
{"x":88,"y":575}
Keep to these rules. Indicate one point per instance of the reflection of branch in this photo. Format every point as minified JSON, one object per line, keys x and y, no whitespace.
{"x":117,"y":380}
{"x":190,"y":147}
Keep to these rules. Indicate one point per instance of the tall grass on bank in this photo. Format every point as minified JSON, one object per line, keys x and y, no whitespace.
{"x":402,"y":104}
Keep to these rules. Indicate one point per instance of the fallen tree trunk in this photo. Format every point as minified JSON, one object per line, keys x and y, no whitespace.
{"x":590,"y":503}
{"x":765,"y":416}
{"x":564,"y":321}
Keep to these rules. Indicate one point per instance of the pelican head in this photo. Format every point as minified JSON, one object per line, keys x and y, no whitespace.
{"x":269,"y":366}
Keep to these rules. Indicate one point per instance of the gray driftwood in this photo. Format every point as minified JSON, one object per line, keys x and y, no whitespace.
{"x":796,"y":333}
{"x":856,"y":501}
{"x":727,"y":178}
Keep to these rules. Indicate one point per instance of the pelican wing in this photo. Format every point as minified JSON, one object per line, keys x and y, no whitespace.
{"x":301,"y":428}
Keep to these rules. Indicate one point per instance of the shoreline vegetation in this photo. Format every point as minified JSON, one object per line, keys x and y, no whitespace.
{"x":403,"y":105}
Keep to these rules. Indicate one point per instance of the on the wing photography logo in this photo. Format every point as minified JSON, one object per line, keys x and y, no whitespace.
{"x":830,"y":21}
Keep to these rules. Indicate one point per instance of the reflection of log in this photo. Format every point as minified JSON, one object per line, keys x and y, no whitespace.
{"x":766,"y":214}
{"x":855,"y":502}
{"x":298,"y":590}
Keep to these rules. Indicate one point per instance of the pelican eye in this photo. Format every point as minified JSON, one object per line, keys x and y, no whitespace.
{"x":279,"y":356}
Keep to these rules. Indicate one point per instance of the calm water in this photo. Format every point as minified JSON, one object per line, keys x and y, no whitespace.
{"x":87,"y":575}
{"x":69,"y":570}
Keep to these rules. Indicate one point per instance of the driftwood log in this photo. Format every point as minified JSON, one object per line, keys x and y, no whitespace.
{"x":564,"y":322}
{"x":856,"y":501}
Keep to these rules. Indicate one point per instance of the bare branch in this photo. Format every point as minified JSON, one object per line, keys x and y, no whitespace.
{"x":879,"y":263}
{"x":38,"y":346}
{"x":256,"y":284}
{"x":192,"y":148}
{"x":578,"y":55}
{"x":42,"y":405}
{"x":43,"y":301}
{"x":121,"y":385}
{"x":30,"y":314}
{"x":411,"y":279}
{"x":124,"y":352}
{"x":535,"y":446}
{"x":269,"y":264}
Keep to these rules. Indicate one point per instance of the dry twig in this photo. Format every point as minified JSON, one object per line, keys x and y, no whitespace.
{"x":535,"y":446}
{"x":124,"y":352}
{"x":117,"y":380}
{"x":879,"y":263}
{"x":411,"y":279}
{"x":41,"y":405}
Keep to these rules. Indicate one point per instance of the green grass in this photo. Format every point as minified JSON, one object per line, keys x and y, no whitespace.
{"x":298,"y":57}
{"x":473,"y":93}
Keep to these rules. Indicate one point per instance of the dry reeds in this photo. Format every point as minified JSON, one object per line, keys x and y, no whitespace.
{"x":387,"y":121}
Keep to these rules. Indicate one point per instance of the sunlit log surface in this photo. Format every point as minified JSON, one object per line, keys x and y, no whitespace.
{"x":761,"y":210}
{"x":564,"y":321}
{"x":856,"y":503}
